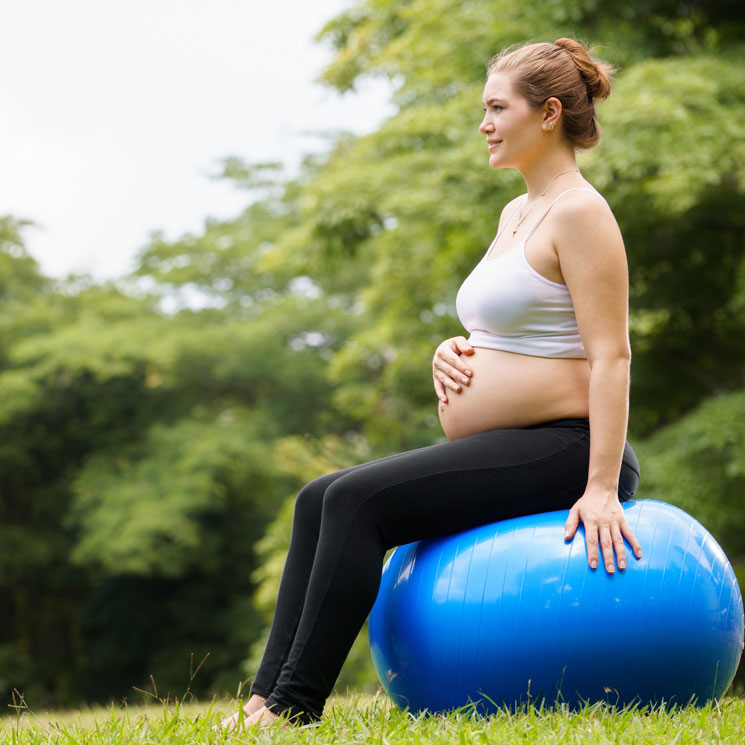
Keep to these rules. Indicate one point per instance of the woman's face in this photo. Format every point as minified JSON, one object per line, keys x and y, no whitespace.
{"x":512,"y":128}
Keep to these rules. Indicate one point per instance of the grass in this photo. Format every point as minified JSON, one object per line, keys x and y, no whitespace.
{"x":372,"y":719}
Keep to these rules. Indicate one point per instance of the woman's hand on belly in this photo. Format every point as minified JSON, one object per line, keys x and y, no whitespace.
{"x":448,"y":368}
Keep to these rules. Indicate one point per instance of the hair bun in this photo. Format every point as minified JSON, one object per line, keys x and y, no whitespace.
{"x":597,"y":74}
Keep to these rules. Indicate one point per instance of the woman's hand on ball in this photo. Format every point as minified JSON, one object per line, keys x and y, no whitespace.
{"x":605,"y":526}
{"x":448,"y":368}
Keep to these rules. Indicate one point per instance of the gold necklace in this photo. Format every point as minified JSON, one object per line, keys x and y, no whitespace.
{"x":521,"y":219}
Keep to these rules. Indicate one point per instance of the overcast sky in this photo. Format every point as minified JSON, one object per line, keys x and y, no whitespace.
{"x":113,"y":114}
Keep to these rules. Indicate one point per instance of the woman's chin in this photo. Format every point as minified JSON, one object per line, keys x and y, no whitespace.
{"x":496,"y":162}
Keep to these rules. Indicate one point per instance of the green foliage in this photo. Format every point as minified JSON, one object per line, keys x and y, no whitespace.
{"x":429,"y":48}
{"x":673,"y":167}
{"x":19,"y":274}
{"x":698,"y":463}
{"x":138,"y":471}
{"x":142,"y":509}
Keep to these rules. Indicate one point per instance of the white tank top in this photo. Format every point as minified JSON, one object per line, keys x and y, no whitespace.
{"x":505,"y":304}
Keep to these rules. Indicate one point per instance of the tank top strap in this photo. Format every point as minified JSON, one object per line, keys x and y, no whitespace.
{"x":509,"y":219}
{"x":548,"y":209}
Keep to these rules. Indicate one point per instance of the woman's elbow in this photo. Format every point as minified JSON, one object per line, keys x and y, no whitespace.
{"x":619,"y":355}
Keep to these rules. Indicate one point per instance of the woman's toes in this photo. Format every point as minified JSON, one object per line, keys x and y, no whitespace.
{"x":254,"y":704}
{"x":230,"y":722}
{"x":262,"y":717}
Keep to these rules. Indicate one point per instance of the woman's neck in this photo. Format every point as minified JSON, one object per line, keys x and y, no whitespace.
{"x":544,"y":173}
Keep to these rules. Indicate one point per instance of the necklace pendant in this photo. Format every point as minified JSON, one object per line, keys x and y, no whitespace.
{"x":513,"y":232}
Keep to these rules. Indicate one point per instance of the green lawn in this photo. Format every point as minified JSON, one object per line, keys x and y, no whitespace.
{"x":371,"y":719}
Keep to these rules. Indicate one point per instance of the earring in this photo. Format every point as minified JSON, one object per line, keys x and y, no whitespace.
{"x":549,"y":127}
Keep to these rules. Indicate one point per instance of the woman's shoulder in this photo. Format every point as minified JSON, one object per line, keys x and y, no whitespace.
{"x":510,"y":207}
{"x":583,"y":211}
{"x":580,"y":199}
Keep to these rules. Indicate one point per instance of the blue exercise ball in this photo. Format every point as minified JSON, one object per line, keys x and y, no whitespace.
{"x":510,"y":613}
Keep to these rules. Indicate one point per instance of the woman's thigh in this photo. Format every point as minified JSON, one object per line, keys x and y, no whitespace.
{"x":455,"y":485}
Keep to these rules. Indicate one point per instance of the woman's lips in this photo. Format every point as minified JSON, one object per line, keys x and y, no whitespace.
{"x":492,"y":146}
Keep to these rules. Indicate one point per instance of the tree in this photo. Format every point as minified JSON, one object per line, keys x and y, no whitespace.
{"x":136,"y":473}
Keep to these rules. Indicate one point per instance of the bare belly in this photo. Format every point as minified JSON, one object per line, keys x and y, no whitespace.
{"x":515,"y":390}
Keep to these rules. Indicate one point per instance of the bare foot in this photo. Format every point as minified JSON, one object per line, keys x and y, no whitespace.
{"x":253,"y":704}
{"x":263,"y":718}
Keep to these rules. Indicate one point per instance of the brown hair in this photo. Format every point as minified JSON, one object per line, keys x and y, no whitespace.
{"x":565,"y":70}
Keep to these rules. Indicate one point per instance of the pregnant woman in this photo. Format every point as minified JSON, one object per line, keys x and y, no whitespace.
{"x":534,"y":404}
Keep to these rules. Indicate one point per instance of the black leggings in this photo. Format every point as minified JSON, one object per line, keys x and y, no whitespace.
{"x":344,"y":523}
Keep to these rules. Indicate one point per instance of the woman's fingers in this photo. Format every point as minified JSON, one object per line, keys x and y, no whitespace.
{"x":460,"y":376}
{"x":448,"y":369}
{"x":605,"y":530}
{"x":461,"y":345}
{"x":606,"y":547}
{"x":628,"y":534}
{"x":600,"y":535}
{"x":618,"y":547}
{"x":451,"y":363}
{"x":595,"y":538}
{"x":571,"y":525}
{"x":591,"y":539}
{"x":605,"y":537}
{"x":447,"y":381}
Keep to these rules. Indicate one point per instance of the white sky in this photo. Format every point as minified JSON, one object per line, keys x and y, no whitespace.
{"x":113,"y":113}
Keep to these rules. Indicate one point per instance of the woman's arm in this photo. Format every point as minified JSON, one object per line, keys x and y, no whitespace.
{"x":593,"y":264}
{"x":599,"y":508}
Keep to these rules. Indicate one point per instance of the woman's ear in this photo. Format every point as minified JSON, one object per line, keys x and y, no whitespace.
{"x":551,"y":113}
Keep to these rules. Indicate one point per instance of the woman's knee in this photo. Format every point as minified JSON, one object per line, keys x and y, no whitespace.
{"x":309,"y":500}
{"x":347,"y":499}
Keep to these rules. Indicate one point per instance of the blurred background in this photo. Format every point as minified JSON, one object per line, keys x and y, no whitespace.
{"x":209,"y":267}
